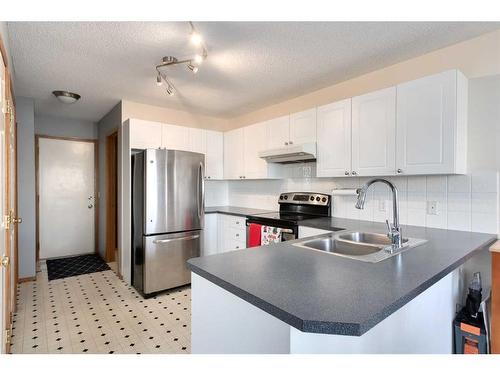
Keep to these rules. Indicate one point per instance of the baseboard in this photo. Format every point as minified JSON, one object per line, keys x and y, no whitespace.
{"x":27,"y":279}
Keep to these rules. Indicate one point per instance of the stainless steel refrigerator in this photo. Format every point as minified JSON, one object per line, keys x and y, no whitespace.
{"x":167,"y":217}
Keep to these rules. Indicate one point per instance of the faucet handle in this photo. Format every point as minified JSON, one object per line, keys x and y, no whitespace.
{"x":389,"y":229}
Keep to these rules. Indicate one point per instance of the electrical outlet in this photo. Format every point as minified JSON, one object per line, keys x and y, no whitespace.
{"x":432,"y":208}
{"x":381,"y":205}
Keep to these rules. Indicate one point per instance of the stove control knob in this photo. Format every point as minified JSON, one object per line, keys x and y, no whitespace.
{"x":281,"y":197}
{"x":312,"y":198}
{"x":318,"y":198}
{"x":323,"y":199}
{"x":286,"y":197}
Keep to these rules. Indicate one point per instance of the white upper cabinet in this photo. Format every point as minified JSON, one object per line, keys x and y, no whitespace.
{"x":234,"y":160}
{"x":334,"y":139}
{"x":303,"y":127}
{"x":214,"y":155}
{"x":175,"y":137}
{"x":432,"y":124}
{"x":374,"y":133}
{"x":279,"y":132}
{"x":255,"y":140}
{"x":197,"y":140}
{"x":145,"y":134}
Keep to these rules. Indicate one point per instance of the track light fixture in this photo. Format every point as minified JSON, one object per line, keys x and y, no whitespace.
{"x":192,"y":68}
{"x":191,"y":63}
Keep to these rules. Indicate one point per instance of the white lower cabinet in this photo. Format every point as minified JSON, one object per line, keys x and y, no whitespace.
{"x":210,"y":235}
{"x":232,"y":233}
{"x":223,"y":233}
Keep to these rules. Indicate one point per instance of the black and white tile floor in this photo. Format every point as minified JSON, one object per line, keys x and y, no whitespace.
{"x":98,"y":313}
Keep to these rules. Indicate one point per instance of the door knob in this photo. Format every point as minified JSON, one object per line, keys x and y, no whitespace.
{"x":5,"y":261}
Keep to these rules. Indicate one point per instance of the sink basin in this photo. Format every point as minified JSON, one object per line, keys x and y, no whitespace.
{"x":367,"y":247}
{"x":368,"y":238}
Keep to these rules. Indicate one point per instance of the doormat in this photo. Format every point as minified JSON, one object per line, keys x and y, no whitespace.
{"x":74,"y":266}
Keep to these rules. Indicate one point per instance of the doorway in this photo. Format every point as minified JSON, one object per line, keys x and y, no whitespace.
{"x":66,"y":185}
{"x":112,"y":198}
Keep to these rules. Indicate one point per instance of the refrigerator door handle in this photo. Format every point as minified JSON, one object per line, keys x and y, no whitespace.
{"x":200,"y":190}
{"x":177,"y":239}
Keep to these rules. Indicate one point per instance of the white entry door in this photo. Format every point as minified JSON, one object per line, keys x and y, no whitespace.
{"x":66,"y":188}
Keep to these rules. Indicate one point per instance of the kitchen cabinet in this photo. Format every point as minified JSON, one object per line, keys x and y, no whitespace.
{"x":214,"y":155}
{"x":279,"y":132}
{"x":374,"y":133}
{"x":255,"y":140}
{"x":303,"y":127}
{"x":232,"y":233}
{"x":334,"y":139}
{"x":175,"y":137}
{"x":234,"y":160}
{"x":145,"y":134}
{"x":432,"y":124}
{"x":210,"y":235}
{"x":197,"y":140}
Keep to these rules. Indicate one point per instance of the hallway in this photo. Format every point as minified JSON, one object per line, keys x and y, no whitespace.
{"x":98,"y":313}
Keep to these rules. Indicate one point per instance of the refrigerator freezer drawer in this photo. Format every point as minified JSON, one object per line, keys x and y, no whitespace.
{"x":165,"y":259}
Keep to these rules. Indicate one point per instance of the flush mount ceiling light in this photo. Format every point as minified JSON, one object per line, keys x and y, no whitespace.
{"x":66,"y":97}
{"x":191,"y":63}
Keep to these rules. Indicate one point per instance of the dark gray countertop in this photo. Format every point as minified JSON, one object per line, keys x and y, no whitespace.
{"x":237,"y":211}
{"x":323,"y":293}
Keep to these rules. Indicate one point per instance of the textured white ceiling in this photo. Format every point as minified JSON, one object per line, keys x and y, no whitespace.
{"x":250,"y":64}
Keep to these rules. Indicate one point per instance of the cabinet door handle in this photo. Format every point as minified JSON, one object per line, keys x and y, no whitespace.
{"x":354,"y":173}
{"x":286,"y":143}
{"x":346,"y":173}
{"x":399,"y":170}
{"x":291,"y":143}
{"x":237,"y":234}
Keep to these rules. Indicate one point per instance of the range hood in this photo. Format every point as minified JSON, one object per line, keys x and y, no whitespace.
{"x":290,"y":154}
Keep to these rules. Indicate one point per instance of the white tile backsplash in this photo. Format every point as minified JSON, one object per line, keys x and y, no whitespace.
{"x":464,"y":202}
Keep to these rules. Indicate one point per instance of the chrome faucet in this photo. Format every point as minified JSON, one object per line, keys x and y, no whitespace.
{"x":394,"y":230}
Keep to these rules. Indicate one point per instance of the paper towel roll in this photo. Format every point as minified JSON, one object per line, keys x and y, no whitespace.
{"x":344,"y":192}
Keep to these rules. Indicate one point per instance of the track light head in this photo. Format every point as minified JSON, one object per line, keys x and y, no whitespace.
{"x":159,"y":80}
{"x":192,"y":68}
{"x":170,"y":90}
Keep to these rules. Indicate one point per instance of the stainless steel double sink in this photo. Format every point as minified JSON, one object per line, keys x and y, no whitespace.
{"x":363,"y":246}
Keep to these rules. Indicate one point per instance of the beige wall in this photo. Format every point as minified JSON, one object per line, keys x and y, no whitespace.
{"x":171,"y":116}
{"x":476,"y":57}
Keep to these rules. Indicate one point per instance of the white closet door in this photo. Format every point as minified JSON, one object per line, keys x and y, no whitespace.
{"x":374,"y":133}
{"x":334,"y":139}
{"x":66,"y":179}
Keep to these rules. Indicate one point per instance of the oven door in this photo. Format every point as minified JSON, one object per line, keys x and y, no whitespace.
{"x":288,"y":232}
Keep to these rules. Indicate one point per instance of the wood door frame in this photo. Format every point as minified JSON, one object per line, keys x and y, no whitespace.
{"x":37,"y":193}
{"x":111,"y":194}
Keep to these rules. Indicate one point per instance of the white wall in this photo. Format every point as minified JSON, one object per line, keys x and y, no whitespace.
{"x":26,"y":185}
{"x":64,"y":127}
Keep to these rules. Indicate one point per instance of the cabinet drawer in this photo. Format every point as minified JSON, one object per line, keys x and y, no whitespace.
{"x":235,"y":245}
{"x":236,"y":222}
{"x":235,"y":234}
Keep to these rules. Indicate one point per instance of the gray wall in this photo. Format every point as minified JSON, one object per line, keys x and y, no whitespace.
{"x":26,"y":185}
{"x":63,"y":127}
{"x":106,"y":126}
